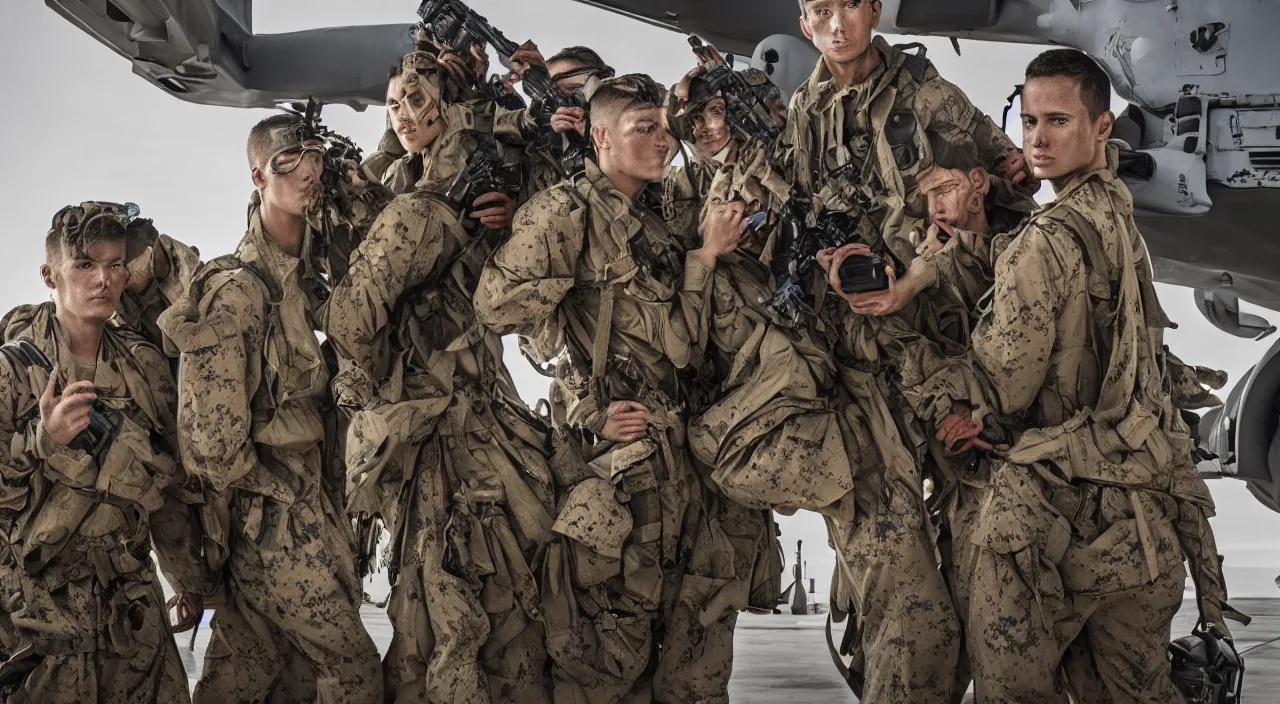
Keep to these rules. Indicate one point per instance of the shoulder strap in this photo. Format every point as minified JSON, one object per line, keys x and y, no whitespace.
{"x":916,"y":64}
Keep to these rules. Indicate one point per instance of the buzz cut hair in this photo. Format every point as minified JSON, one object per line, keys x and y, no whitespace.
{"x":618,"y":96}
{"x":1095,"y":86}
{"x":76,"y":241}
{"x":259,"y":144}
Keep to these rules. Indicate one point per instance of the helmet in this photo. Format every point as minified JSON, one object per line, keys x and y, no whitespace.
{"x":1206,"y":668}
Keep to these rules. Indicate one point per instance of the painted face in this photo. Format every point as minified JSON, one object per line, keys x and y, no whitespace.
{"x":1058,"y":136}
{"x":88,"y":284}
{"x":710,"y":128}
{"x":289,"y":178}
{"x":840,"y":29}
{"x":414,"y":109}
{"x":954,"y":196}
{"x":638,"y":145}
{"x":568,"y":75}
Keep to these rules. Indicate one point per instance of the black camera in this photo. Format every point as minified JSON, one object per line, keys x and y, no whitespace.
{"x":104,"y":423}
{"x":483,"y":174}
{"x":862,"y":273}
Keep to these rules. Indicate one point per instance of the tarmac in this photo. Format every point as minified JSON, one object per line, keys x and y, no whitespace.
{"x":784,"y":658}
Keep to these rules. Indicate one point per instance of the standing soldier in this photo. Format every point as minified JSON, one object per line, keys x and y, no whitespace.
{"x":443,"y":450}
{"x":1092,"y":504}
{"x":589,"y":264}
{"x":254,"y":395}
{"x":88,"y":454}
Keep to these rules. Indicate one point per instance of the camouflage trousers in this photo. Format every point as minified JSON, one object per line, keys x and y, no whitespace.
{"x":148,"y":670}
{"x":885,"y":557}
{"x":290,"y":630}
{"x":1062,"y":596}
{"x":465,"y":604}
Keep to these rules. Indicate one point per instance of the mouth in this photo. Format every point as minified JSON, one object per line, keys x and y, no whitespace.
{"x":407,"y":129}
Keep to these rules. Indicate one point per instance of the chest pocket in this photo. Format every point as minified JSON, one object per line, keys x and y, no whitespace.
{"x":901,"y":131}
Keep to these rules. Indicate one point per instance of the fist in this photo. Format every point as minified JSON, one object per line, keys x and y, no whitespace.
{"x":66,"y":415}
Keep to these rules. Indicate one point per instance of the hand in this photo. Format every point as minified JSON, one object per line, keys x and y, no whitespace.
{"x":960,"y":433}
{"x":499,"y":214}
{"x":456,"y":65}
{"x":933,"y":240}
{"x":190,"y":608}
{"x":625,"y":421}
{"x":509,"y":82}
{"x":524,"y":57}
{"x":569,"y":120}
{"x":681,"y":89}
{"x":66,"y":416}
{"x":1014,"y":169}
{"x":721,"y":229}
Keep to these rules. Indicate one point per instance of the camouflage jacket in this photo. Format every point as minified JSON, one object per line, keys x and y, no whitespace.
{"x":588,"y":270}
{"x":879,"y":128}
{"x":73,"y":521}
{"x":542,"y":166}
{"x":414,"y":355}
{"x":254,"y":386}
{"x":435,"y":168}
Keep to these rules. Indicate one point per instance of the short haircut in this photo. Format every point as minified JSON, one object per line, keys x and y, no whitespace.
{"x":260,"y":139}
{"x":582,"y":55}
{"x":71,"y":232}
{"x":617,"y":96}
{"x":1095,"y":87}
{"x":955,"y":150}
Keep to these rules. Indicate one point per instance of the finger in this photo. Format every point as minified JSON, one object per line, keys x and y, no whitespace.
{"x":488,"y":212}
{"x":77,"y":402}
{"x":943,"y":427}
{"x":78,"y":387}
{"x":634,"y":406}
{"x":494,"y":197}
{"x":631,"y":428}
{"x":629,"y":418}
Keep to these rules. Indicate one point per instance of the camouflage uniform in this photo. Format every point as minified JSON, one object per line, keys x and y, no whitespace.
{"x":172,"y":269}
{"x":543,"y":168}
{"x":641,"y":550}
{"x":253,"y":419}
{"x":1075,"y":559}
{"x":443,"y":450}
{"x":84,"y":607}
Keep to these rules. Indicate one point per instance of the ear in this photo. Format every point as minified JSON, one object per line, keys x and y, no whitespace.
{"x":804,"y":27}
{"x":600,"y":137}
{"x":46,"y":273}
{"x":1106,"y":123}
{"x":259,"y":178}
{"x":980,"y":180}
{"x":877,"y":7}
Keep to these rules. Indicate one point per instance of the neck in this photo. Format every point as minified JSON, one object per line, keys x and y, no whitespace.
{"x":854,"y":72}
{"x":627,"y":185}
{"x":83,"y":336}
{"x":283,"y":228}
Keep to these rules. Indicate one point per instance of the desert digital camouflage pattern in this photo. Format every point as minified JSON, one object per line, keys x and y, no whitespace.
{"x":442,"y":449}
{"x":86,"y":619}
{"x":1080,"y":525}
{"x":252,"y":420}
{"x":604,"y":278}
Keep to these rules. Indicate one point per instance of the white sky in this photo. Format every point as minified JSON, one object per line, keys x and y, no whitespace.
{"x":79,"y":125}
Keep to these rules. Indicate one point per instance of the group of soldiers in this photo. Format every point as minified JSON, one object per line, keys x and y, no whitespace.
{"x":996,"y":436}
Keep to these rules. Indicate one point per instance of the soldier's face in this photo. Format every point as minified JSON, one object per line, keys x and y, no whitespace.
{"x":88,"y":284}
{"x":1058,"y":136}
{"x":953,"y":196}
{"x":710,"y":130}
{"x":290,"y":179}
{"x":636,"y":146}
{"x":568,"y":84}
{"x":414,"y":113}
{"x":840,"y":29}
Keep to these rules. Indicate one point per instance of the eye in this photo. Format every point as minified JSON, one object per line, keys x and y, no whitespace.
{"x":84,"y":265}
{"x":1060,"y":121}
{"x":417,"y":101}
{"x":1028,"y":122}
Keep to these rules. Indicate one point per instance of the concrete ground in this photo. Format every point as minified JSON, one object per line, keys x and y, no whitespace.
{"x":784,"y":658}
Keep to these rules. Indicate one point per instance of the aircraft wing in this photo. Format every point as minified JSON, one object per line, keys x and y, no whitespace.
{"x":205,"y":51}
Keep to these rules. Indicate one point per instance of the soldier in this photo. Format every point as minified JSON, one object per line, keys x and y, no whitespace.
{"x":641,"y":554}
{"x":256,"y":436}
{"x":443,"y":450}
{"x":88,"y":447}
{"x":1092,"y":502}
{"x":544,"y":132}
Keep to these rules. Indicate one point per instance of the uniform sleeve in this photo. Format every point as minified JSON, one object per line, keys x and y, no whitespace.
{"x":1014,"y":350}
{"x":939,"y":101}
{"x":400,"y":251}
{"x":219,"y":374}
{"x":513,"y":128}
{"x":16,"y":455}
{"x":527,"y":277}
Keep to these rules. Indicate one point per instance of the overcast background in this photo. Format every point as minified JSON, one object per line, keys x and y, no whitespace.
{"x":78,"y":125}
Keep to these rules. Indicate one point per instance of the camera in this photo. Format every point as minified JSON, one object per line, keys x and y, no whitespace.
{"x":863,"y":273}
